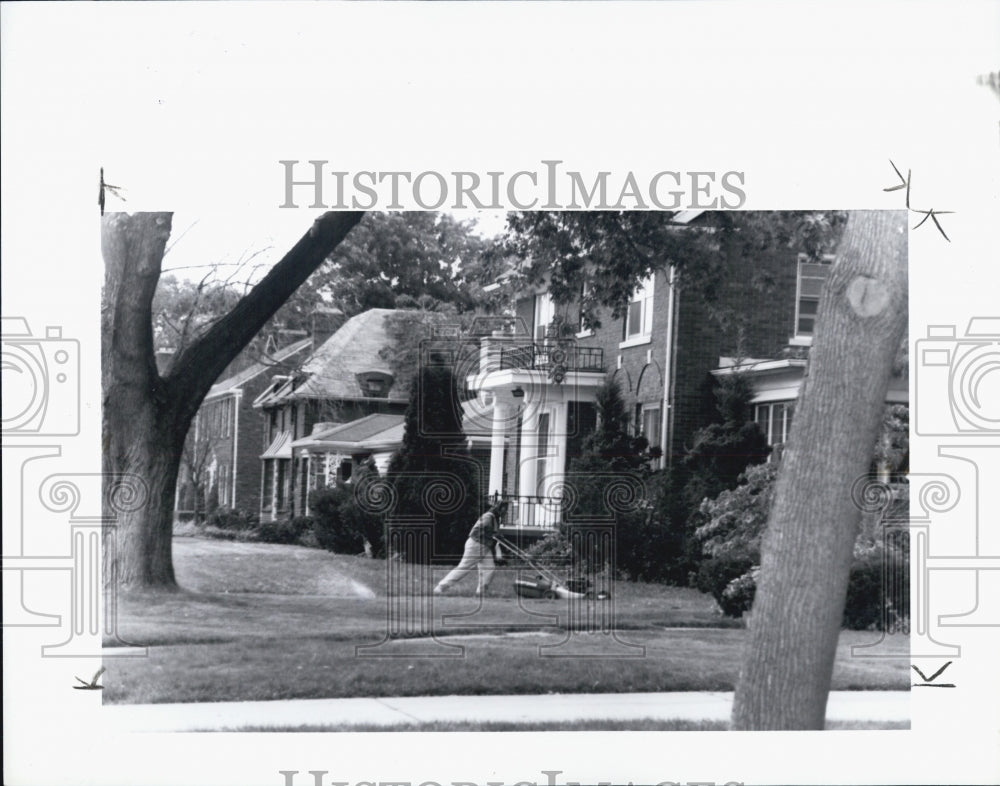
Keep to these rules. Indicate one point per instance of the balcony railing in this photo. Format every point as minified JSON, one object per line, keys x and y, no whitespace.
{"x":546,"y":356}
{"x":533,"y":512}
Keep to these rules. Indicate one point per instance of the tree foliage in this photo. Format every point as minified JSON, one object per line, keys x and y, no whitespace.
{"x":613,"y":251}
{"x":613,"y":454}
{"x":403,"y":260}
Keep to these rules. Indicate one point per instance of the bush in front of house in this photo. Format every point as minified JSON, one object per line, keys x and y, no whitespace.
{"x":717,"y":574}
{"x":285,"y":531}
{"x":343,"y":520}
{"x":233,"y":520}
{"x":334,"y":530}
{"x":610,"y":482}
{"x":730,"y":535}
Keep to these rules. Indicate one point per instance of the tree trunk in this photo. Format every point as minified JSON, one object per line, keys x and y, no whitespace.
{"x":807,"y":546}
{"x":146,"y":416}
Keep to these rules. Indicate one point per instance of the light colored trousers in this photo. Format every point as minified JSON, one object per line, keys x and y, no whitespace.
{"x":476,"y":555}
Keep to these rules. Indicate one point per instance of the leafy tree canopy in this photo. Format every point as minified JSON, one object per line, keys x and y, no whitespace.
{"x":613,"y":251}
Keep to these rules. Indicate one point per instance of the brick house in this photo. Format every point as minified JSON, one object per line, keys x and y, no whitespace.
{"x":343,"y":383}
{"x":222,"y":448}
{"x":664,"y":352}
{"x":332,"y":452}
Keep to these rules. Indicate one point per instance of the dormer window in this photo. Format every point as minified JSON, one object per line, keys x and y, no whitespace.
{"x":375,"y":384}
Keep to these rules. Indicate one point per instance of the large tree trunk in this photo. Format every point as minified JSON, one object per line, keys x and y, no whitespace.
{"x":145,"y":415}
{"x":807,"y":547}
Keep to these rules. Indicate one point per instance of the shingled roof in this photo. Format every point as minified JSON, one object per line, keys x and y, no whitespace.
{"x":241,"y":378}
{"x":332,"y":371}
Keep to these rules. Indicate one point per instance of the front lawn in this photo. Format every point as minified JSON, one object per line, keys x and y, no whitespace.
{"x":258,"y":621}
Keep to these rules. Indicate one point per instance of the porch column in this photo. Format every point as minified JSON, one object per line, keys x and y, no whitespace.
{"x":560,"y":426}
{"x":502,"y":414}
{"x":529,"y":453}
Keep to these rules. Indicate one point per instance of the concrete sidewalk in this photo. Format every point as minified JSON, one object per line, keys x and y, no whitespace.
{"x":388,"y":712}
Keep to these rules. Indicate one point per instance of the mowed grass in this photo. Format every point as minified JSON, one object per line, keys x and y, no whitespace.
{"x":257,"y":621}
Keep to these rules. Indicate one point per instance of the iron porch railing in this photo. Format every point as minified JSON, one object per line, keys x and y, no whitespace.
{"x":546,"y":356}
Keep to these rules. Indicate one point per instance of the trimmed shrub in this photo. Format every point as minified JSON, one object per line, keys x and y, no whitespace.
{"x":333,"y":524}
{"x":285,"y":531}
{"x":235,"y":520}
{"x":717,"y":574}
{"x":433,"y":474}
{"x":871,"y":604}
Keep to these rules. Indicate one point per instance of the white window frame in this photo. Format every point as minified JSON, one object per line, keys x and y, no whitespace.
{"x":545,"y":314}
{"x":584,"y":332}
{"x":800,"y":338}
{"x":786,"y":418}
{"x":644,"y":296}
{"x":648,"y":409}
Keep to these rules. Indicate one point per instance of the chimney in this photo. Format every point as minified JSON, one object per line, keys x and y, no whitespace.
{"x":324,"y":322}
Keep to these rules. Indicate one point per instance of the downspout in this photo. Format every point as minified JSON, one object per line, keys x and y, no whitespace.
{"x":670,"y":369}
{"x":236,"y":442}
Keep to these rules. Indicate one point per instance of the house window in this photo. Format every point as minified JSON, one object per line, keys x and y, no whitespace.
{"x":317,"y":462}
{"x":648,"y":420}
{"x":811,"y":277}
{"x":543,"y":449}
{"x":545,"y":313}
{"x":582,"y":330}
{"x":638,"y":324}
{"x":268,"y":483}
{"x":223,"y":487}
{"x":280,"y":490}
{"x":775,"y":420}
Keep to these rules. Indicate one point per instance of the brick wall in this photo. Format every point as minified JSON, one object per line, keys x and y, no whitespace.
{"x":767,"y":317}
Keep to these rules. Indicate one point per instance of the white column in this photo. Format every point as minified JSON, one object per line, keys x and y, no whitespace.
{"x":560,"y":425}
{"x":501,"y":418}
{"x":529,"y":452}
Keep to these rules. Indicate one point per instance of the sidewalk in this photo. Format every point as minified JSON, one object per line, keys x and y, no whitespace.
{"x":388,"y":712}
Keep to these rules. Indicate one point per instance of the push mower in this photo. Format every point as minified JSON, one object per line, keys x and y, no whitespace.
{"x":547,"y":584}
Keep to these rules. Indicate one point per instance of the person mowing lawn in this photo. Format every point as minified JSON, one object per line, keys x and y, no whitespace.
{"x":478,"y":551}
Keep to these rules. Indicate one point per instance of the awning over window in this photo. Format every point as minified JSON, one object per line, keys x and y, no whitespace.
{"x":281,"y":448}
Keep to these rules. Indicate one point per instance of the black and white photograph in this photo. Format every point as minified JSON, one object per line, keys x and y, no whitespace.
{"x":498,"y":393}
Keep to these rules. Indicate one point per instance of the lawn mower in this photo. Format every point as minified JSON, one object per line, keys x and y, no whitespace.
{"x":547,"y":584}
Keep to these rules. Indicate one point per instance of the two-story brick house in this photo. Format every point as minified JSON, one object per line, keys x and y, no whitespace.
{"x":220,"y":459}
{"x":337,"y":389}
{"x":664,"y":353}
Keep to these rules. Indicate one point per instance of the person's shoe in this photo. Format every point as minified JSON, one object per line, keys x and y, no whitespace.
{"x":439,"y":590}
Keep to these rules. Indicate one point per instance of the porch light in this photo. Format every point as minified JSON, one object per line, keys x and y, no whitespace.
{"x":518,"y":392}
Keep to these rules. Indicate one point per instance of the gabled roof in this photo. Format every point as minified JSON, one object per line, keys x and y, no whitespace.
{"x":238,"y":380}
{"x":332,"y":371}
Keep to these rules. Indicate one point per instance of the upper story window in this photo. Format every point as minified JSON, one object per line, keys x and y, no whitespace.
{"x":545,"y":314}
{"x":811,"y":277}
{"x":582,"y":331}
{"x":638,"y":323}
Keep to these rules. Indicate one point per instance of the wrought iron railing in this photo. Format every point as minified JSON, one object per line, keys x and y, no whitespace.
{"x":545,"y":356}
{"x":533,"y":512}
